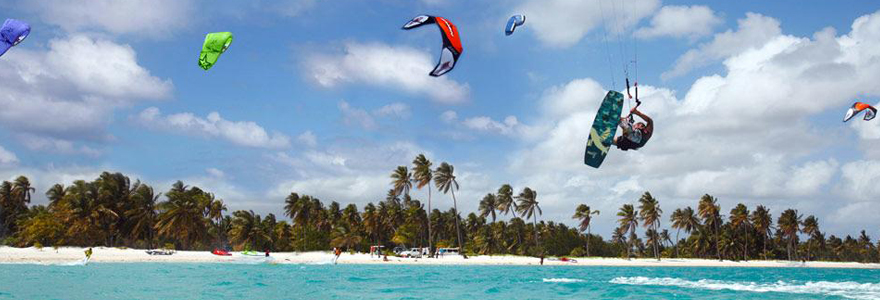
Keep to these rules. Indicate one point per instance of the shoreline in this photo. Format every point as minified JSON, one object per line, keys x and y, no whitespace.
{"x":72,"y":255}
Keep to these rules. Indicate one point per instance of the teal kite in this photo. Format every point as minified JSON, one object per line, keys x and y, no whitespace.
{"x":215,"y":44}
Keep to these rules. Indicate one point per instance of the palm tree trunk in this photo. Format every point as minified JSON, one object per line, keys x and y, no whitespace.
{"x":588,"y":241}
{"x":676,"y":242}
{"x":717,"y":245}
{"x":764,"y":245}
{"x":788,"y":247}
{"x":457,"y":228}
{"x":535,"y":223}
{"x":745,"y":245}
{"x":656,"y":236}
{"x":430,"y":237}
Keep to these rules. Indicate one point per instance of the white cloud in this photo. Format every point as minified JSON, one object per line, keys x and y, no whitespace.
{"x":397,"y":110}
{"x":360,"y":117}
{"x":859,"y":179}
{"x":754,"y":31}
{"x":243,"y":133}
{"x":681,"y":22}
{"x":449,"y":116}
{"x":308,"y":138}
{"x":563,"y":23}
{"x":50,"y":144}
{"x":346,"y":171}
{"x":214,"y":172}
{"x":69,"y":92}
{"x":7,"y":158}
{"x":485,"y":124}
{"x":356,"y":116}
{"x":154,"y":18}
{"x":387,"y":66}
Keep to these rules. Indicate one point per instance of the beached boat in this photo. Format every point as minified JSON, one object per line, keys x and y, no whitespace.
{"x":160,"y":252}
{"x":221,"y":252}
{"x":447,"y":251}
{"x":252,"y":253}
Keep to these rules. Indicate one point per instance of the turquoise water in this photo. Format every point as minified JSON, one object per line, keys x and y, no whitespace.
{"x":263,"y":281}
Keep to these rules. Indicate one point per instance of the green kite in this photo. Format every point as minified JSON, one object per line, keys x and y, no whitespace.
{"x":215,"y":44}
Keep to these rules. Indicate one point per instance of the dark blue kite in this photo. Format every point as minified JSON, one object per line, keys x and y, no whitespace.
{"x":513,"y":22}
{"x":12,"y":33}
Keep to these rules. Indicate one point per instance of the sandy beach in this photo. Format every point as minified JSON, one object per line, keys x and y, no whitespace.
{"x":71,"y":255}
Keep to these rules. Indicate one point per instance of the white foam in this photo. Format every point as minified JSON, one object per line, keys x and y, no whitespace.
{"x":847,"y":289}
{"x":564,"y":280}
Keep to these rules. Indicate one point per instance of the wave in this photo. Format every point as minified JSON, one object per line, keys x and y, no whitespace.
{"x":563,"y":280}
{"x":253,"y":260}
{"x":847,"y":289}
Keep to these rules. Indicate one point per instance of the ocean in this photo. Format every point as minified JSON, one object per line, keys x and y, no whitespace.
{"x":284,"y":281}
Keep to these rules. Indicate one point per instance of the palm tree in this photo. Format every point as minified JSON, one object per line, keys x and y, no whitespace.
{"x":444,"y":178}
{"x":14,"y":200}
{"x":585,"y":216}
{"x":679,"y":222}
{"x":372,"y":223}
{"x":763,"y":223}
{"x":143,"y":214}
{"x":297,"y":209}
{"x":422,"y":175}
{"x":628,"y":221}
{"x":22,"y":189}
{"x":488,"y":206}
{"x":401,"y":179}
{"x":505,"y":201}
{"x":739,"y":218}
{"x":789,"y":222}
{"x":527,"y":205}
{"x":351,"y":217}
{"x":710,"y":213}
{"x":215,"y":212}
{"x":55,"y":194}
{"x":649,"y":213}
{"x":665,"y":238}
{"x":181,"y":216}
{"x":248,"y":230}
{"x":344,"y":237}
{"x":811,"y":229}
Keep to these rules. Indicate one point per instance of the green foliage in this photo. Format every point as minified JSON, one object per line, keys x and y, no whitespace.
{"x":578,"y":252}
{"x":114,"y":211}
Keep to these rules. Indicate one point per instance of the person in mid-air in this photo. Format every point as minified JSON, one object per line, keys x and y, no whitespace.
{"x":634,"y":135}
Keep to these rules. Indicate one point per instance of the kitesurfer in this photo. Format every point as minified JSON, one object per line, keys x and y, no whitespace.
{"x":634,"y":135}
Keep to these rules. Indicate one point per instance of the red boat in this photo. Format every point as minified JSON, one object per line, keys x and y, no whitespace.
{"x":221,"y":252}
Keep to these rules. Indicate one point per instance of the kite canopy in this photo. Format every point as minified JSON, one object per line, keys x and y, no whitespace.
{"x":451,"y":42}
{"x":870,"y":111}
{"x":513,"y":22}
{"x":215,"y":44}
{"x":12,"y":33}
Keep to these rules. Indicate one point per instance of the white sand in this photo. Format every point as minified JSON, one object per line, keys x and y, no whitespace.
{"x":70,"y":255}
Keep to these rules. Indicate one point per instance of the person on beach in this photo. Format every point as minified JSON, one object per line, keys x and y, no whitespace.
{"x":267,"y":253}
{"x":89,"y":253}
{"x":338,"y":252}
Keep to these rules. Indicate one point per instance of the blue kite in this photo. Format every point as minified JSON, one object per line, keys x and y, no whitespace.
{"x":513,"y":22}
{"x":12,"y":33}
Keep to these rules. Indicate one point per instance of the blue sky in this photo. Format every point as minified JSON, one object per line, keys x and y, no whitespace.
{"x":327,"y":98}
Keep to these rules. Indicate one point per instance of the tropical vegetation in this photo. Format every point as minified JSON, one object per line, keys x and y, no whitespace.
{"x":114,"y":211}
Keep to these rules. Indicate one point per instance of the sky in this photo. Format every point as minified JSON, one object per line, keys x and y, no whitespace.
{"x":327,"y":98}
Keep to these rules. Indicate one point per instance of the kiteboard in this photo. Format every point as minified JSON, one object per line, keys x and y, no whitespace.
{"x":603,"y":130}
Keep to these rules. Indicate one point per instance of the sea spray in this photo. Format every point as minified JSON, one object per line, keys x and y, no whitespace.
{"x":847,"y":289}
{"x":562,"y":280}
